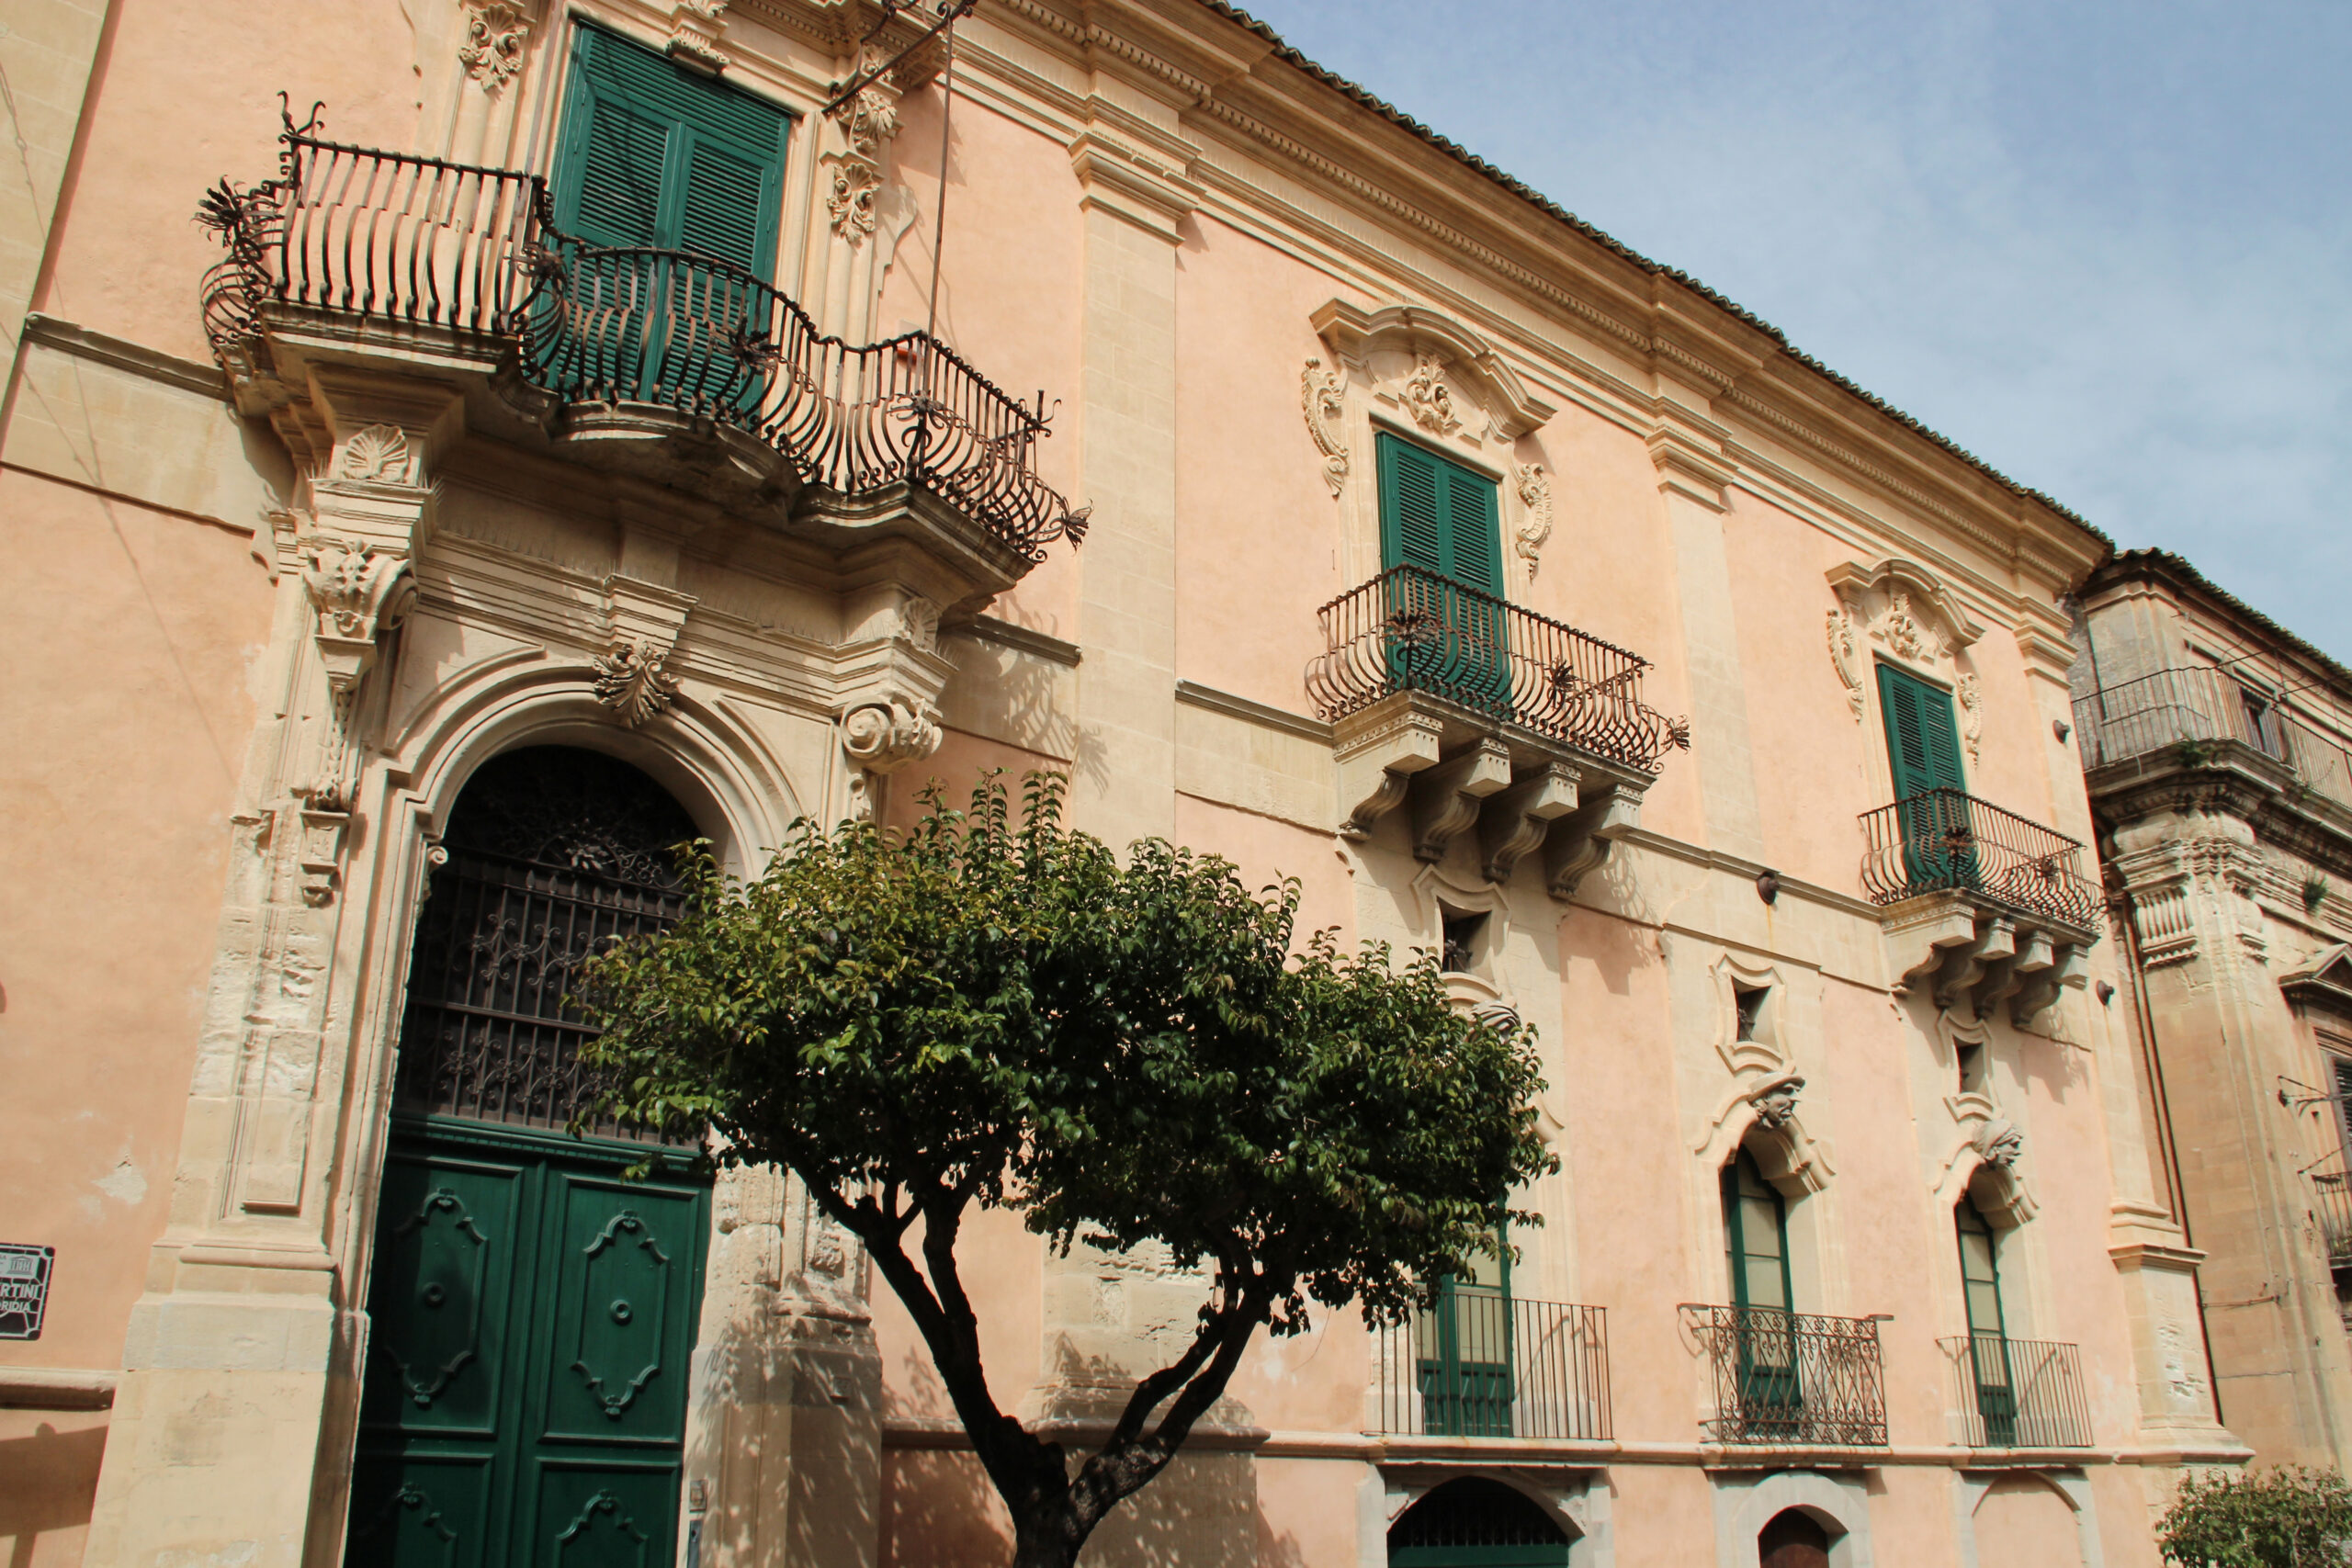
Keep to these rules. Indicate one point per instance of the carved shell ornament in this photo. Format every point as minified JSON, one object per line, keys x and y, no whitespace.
{"x":377,"y":454}
{"x":1319,"y":397}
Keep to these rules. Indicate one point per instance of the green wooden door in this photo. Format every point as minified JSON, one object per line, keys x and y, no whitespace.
{"x":1990,"y":1364}
{"x":1444,"y":521}
{"x":661,"y":172}
{"x":1923,"y":755}
{"x":1756,"y":1244}
{"x":532,"y":1315}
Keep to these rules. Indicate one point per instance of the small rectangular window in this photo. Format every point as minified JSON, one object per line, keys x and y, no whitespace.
{"x":1748,"y":1004}
{"x":1463,"y":944}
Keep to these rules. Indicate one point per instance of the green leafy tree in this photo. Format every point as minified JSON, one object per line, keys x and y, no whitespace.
{"x":990,"y":1010}
{"x":2284,"y":1517}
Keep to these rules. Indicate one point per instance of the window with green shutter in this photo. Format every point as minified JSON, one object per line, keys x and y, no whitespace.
{"x":1442,"y":524}
{"x":654,"y":155}
{"x":1989,"y":1344}
{"x":1755,"y":1249}
{"x":659,"y":173}
{"x":1923,"y":756}
{"x":1922,"y":734}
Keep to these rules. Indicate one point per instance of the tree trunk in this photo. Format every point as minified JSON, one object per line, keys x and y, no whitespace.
{"x":1047,"y":1537}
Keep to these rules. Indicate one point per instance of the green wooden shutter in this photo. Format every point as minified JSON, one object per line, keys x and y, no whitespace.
{"x":1439,"y":515}
{"x":1474,"y":532}
{"x":1412,"y":515}
{"x":1922,"y":734}
{"x":654,"y":155}
{"x":1755,"y":1237}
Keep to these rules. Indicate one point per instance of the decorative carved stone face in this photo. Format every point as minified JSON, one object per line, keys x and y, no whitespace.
{"x":1999,"y":1141}
{"x":1776,"y":1103}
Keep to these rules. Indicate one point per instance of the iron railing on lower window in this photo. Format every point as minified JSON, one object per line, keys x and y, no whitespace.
{"x":411,"y":241}
{"x":1795,"y":1378}
{"x":2018,"y":1393}
{"x":1413,"y":630}
{"x":1482,"y":1364}
{"x":2332,"y":1206}
{"x":1945,"y":841}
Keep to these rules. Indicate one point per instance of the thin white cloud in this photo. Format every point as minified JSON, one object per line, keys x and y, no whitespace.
{"x":2106,"y":248}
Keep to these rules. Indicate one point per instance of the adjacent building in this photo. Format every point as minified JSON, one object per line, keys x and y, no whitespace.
{"x":2219,"y":750}
{"x":604,"y":419}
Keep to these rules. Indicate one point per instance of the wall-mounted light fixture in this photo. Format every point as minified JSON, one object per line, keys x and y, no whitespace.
{"x":1768,"y":887}
{"x":2106,"y":993}
{"x":2060,"y":728}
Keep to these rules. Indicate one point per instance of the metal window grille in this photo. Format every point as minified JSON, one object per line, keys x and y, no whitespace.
{"x":1484,"y":1365}
{"x":2018,"y":1393}
{"x":1795,"y":1378}
{"x":553,"y":854}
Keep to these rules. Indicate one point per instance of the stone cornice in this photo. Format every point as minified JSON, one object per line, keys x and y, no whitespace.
{"x":1352,"y":145}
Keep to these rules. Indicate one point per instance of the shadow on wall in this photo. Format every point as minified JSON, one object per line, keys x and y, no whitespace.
{"x":939,"y":1510}
{"x":1016,"y":692}
{"x":48,"y":1481}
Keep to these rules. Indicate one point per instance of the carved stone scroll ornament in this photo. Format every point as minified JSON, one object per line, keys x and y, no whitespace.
{"x":1534,"y":488}
{"x":355,"y":591}
{"x":1320,"y":396}
{"x":1842,"y":656}
{"x":868,"y":121}
{"x":1971,"y":716}
{"x":1426,"y":398}
{"x":879,"y":738}
{"x":631,"y":682}
{"x":497,"y":33}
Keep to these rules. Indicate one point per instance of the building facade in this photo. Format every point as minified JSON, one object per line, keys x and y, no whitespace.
{"x":2215,"y":744}
{"x":593,"y":424}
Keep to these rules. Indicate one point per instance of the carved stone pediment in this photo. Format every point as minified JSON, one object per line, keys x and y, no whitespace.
{"x":1434,"y":361}
{"x":1903,"y":613}
{"x":2325,"y":980}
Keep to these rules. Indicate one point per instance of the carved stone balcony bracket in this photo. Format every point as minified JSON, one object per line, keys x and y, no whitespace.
{"x":1520,"y":819}
{"x":1454,"y":768}
{"x":1447,"y":797}
{"x":1966,"y":953}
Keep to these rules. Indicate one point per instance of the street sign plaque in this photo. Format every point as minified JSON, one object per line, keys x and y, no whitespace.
{"x":24,"y":1288}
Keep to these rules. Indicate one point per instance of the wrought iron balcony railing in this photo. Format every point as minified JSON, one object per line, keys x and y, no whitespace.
{"x":2020,"y":1394}
{"x":1943,"y":841}
{"x":1484,"y":1365}
{"x":1413,"y":630}
{"x":2189,"y":713}
{"x":408,"y":242}
{"x":2332,"y":1206}
{"x":1795,"y":1378}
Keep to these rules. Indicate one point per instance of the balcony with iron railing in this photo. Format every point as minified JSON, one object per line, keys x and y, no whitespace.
{"x":1484,"y":1364}
{"x":1794,"y":1380}
{"x":2197,"y":718}
{"x":455,"y":266}
{"x":1465,"y":708}
{"x":1992,"y":906}
{"x":2018,"y":1393}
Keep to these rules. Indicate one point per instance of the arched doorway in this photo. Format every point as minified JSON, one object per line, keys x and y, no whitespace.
{"x":531,"y":1312}
{"x":1477,"y":1523}
{"x":1793,"y":1539}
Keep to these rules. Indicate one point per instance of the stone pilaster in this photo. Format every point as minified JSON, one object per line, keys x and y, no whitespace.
{"x":235,"y":1355}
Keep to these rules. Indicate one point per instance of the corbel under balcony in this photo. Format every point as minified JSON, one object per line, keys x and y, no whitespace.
{"x":1451,"y":770}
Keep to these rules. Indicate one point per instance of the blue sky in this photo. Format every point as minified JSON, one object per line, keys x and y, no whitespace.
{"x":2106,"y":247}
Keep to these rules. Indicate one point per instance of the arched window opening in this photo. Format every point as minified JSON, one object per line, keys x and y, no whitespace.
{"x":1477,"y":1523}
{"x":1989,"y":1360}
{"x":1756,"y":1249}
{"x":1793,"y":1539}
{"x":553,"y":851}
